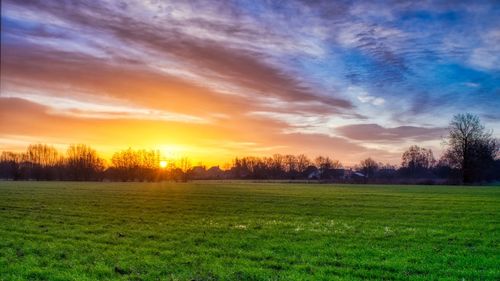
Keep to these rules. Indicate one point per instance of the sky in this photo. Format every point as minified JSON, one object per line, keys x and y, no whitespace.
{"x":212,"y":80}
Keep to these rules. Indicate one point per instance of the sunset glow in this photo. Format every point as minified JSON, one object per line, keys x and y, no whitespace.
{"x":213,"y":81}
{"x":249,"y":140}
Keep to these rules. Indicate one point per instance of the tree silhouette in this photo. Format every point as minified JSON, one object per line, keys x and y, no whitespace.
{"x":41,"y":160}
{"x":10,"y":165}
{"x":369,"y":167}
{"x":83,"y":163}
{"x":417,"y":160}
{"x":471,"y":149}
{"x":131,"y":165}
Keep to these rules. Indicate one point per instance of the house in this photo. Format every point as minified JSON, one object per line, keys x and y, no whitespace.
{"x":327,"y":174}
{"x":197,"y":173}
{"x":214,"y":173}
{"x":312,"y":173}
{"x":357,"y":177}
{"x":333,"y":174}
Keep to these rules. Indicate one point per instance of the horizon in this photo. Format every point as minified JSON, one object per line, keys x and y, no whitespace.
{"x":166,"y":162}
{"x":216,"y":81}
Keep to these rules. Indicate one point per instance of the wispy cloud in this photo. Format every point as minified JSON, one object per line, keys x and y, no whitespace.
{"x":487,"y":55}
{"x":374,"y":132}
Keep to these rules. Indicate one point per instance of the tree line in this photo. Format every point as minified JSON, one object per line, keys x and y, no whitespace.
{"x":471,"y":156}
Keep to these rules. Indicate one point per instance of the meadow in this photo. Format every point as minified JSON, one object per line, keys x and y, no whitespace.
{"x":247,"y":231}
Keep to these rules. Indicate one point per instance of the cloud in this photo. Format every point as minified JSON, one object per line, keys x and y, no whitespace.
{"x":201,"y":139}
{"x":215,"y":58}
{"x":363,"y":96}
{"x":374,"y":132}
{"x":17,"y":117}
{"x":471,"y":84}
{"x":487,"y":55}
{"x":219,"y":67}
{"x":99,"y":109}
{"x":371,"y":99}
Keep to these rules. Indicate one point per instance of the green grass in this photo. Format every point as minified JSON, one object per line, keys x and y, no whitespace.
{"x":245,"y":231}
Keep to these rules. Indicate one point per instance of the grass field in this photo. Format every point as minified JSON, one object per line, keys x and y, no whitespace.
{"x":245,"y":231}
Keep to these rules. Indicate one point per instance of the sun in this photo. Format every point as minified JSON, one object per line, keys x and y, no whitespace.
{"x":163,"y":164}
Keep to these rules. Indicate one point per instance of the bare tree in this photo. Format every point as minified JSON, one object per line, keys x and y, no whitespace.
{"x":369,"y":167}
{"x":184,"y":164}
{"x":277,"y":166}
{"x":41,"y":160}
{"x":83,"y":163}
{"x":131,"y":165}
{"x":336,"y":164}
{"x":417,"y":160}
{"x":42,"y":154}
{"x":10,"y":165}
{"x":323,"y":163}
{"x":150,"y":164}
{"x":291,"y":164}
{"x":471,"y":149}
{"x":302,"y":163}
{"x":126,"y":164}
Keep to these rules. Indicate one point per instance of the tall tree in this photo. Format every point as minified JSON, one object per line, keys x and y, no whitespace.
{"x":83,"y":163}
{"x":417,"y":160}
{"x":291,"y":164}
{"x":184,"y":164}
{"x":471,"y":148}
{"x":41,"y":160}
{"x":323,"y":163}
{"x":302,"y":163}
{"x":369,"y":167}
{"x":126,"y":164}
{"x":10,"y":165}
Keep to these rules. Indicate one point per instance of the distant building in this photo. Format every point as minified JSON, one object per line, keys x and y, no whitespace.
{"x":387,"y":173}
{"x":215,"y":173}
{"x":312,"y":173}
{"x":358,"y":175}
{"x":328,"y":174}
{"x":201,"y":173}
{"x":197,"y":173}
